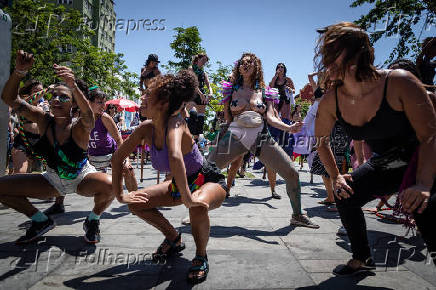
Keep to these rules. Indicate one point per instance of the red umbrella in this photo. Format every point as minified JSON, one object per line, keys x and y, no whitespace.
{"x":124,"y":104}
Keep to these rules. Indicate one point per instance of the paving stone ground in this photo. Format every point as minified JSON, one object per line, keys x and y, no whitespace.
{"x":251,"y":246}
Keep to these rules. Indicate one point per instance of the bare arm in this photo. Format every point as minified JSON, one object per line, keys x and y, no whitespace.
{"x":274,"y":121}
{"x":324,"y":123}
{"x":24,"y":62}
{"x":111,"y":127}
{"x":143,"y":132}
{"x":206,"y":80}
{"x":175,"y":157}
{"x":227,"y":114}
{"x":273,"y":81}
{"x":312,"y":82}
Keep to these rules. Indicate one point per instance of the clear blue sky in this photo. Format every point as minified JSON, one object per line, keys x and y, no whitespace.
{"x":275,"y":30}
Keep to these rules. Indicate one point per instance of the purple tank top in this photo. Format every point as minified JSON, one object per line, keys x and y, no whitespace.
{"x":100,"y":142}
{"x":159,"y":159}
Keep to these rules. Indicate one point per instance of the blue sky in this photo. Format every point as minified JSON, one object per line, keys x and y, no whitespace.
{"x":275,"y":30}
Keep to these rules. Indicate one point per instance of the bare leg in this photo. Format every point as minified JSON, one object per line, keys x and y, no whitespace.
{"x":329,"y":188}
{"x":272,"y":177}
{"x":99,"y":186}
{"x":231,"y":173}
{"x":130,"y":179}
{"x":213,"y":194}
{"x":158,"y":195}
{"x":16,"y":189}
{"x":19,"y":161}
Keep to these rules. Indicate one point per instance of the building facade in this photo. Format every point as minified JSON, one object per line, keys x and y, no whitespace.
{"x":100,"y":16}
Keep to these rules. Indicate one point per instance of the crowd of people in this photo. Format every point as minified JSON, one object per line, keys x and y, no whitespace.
{"x":369,"y":132}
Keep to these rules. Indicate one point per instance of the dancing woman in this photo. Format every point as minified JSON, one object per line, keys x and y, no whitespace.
{"x":197,"y":184}
{"x":401,"y":122}
{"x":249,"y":107}
{"x":63,"y":145}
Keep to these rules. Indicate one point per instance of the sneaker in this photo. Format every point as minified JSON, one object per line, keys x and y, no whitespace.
{"x":303,"y":220}
{"x":342,"y":231}
{"x":275,"y":195}
{"x":36,"y":230}
{"x":92,"y":231}
{"x":347,"y":270}
{"x":186,"y":221}
{"x":56,"y":208}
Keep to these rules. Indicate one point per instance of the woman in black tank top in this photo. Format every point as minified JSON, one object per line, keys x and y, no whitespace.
{"x":392,"y":112}
{"x":64,"y":146}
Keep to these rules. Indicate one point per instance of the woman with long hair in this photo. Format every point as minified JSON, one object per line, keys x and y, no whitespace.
{"x":64,"y":146}
{"x":196,"y":183}
{"x":201,"y":97}
{"x":391,"y":111}
{"x":248,"y":107}
{"x":286,"y":89}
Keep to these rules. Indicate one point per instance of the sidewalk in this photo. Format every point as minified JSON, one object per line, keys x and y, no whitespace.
{"x":251,"y":246}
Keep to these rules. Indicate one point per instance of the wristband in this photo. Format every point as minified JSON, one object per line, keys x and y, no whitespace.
{"x":20,"y":73}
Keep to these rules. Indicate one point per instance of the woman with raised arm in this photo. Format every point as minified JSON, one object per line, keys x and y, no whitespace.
{"x":286,"y":89}
{"x":196,"y":183}
{"x":249,"y":107}
{"x":64,"y":146}
{"x":392,"y":112}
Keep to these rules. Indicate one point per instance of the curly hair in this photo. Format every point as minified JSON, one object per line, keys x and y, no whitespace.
{"x":174,"y":89}
{"x":96,"y":94}
{"x":256,"y":78}
{"x":351,"y":39}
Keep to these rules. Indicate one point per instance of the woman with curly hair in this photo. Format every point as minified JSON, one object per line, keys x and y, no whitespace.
{"x":391,"y":111}
{"x":201,"y":97}
{"x":196,"y":183}
{"x":248,"y":109}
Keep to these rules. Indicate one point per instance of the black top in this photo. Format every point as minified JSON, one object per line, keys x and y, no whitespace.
{"x":386,"y":130}
{"x":67,"y":159}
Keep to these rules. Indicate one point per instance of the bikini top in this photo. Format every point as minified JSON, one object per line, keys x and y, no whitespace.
{"x":240,"y":104}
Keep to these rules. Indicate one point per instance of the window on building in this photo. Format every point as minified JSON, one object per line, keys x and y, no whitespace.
{"x":65,"y":2}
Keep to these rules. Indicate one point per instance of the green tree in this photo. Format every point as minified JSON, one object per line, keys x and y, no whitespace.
{"x":186,"y":44}
{"x":405,"y":19}
{"x":55,"y":34}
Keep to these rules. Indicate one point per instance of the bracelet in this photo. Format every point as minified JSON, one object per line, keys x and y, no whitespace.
{"x":20,"y":73}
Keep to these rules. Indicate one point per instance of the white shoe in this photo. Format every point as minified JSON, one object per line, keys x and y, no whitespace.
{"x":186,"y":221}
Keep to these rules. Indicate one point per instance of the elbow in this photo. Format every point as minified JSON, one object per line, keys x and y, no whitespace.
{"x":175,"y":158}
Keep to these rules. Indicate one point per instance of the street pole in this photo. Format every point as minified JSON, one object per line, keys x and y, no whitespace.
{"x":5,"y":57}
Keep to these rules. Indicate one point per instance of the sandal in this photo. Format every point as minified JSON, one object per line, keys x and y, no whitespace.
{"x":160,"y":255}
{"x":325,"y":202}
{"x":347,"y":270}
{"x":203,"y":267}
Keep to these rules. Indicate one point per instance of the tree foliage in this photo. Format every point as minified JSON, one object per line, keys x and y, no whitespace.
{"x":399,"y":19}
{"x":186,"y":44}
{"x":58,"y":35}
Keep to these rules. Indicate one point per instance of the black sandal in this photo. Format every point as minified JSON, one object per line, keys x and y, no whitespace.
{"x":203,"y":267}
{"x":346,"y":270}
{"x":161,"y":256}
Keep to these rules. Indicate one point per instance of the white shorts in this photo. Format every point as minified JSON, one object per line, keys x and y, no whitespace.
{"x":247,"y":136}
{"x":101,"y":163}
{"x":67,"y":186}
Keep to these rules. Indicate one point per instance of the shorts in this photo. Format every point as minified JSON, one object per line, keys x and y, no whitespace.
{"x":67,"y":186}
{"x":207,"y":173}
{"x":100,"y":162}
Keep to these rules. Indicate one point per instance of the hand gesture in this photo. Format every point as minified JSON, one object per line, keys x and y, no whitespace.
{"x":296,"y":127}
{"x":24,"y":61}
{"x":341,"y":187}
{"x":134,"y":197}
{"x":66,"y":74}
{"x":415,"y":197}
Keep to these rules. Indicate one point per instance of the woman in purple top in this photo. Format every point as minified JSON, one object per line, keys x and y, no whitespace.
{"x":197,"y":184}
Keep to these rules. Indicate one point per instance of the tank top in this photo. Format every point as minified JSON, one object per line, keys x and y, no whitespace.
{"x":386,"y":130}
{"x":200,"y":76}
{"x":67,"y":159}
{"x":100,"y":141}
{"x":159,"y":158}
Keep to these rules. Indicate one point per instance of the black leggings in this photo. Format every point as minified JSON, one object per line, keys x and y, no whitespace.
{"x":369,"y":182}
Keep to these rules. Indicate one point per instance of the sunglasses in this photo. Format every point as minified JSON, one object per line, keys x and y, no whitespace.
{"x":62,"y":98}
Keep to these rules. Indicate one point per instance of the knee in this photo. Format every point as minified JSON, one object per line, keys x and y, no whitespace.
{"x":197,"y":212}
